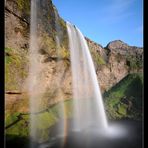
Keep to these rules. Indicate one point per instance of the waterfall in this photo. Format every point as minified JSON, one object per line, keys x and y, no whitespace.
{"x":88,"y":105}
{"x":88,"y":109}
{"x":36,"y":80}
{"x":33,"y":69}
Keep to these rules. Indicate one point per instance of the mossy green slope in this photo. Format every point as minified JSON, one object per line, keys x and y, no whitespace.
{"x":45,"y":120}
{"x":124,"y":100}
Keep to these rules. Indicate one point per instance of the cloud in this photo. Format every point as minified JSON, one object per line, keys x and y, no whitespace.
{"x":117,"y":10}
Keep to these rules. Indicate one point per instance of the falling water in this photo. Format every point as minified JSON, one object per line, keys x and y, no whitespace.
{"x":37,"y":85}
{"x":59,"y":68}
{"x":87,"y":99}
{"x":33,"y":71}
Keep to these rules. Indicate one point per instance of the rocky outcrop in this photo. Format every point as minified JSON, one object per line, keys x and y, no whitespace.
{"x":117,"y":60}
{"x":96,"y":47}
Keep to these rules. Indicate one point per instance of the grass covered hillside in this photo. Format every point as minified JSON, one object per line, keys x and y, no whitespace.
{"x":18,"y":124}
{"x":124,"y":100}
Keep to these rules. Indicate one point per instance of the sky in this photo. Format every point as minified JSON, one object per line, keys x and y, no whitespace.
{"x":105,"y":20}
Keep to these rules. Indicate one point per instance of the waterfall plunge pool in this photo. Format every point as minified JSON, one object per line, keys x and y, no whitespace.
{"x":120,"y":134}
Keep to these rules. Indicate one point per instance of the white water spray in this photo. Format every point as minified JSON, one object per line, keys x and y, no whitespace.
{"x":33,"y":70}
{"x":87,"y":99}
{"x":36,"y":80}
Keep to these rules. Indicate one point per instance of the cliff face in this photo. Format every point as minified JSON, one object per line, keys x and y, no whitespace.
{"x":115,"y":61}
{"x":17,"y":39}
{"x":112,"y":63}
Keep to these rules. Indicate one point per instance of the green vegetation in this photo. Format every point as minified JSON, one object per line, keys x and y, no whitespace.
{"x":122,"y":109}
{"x":20,"y":128}
{"x":64,"y":53}
{"x":15,"y":70}
{"x":134,"y":62}
{"x":98,"y":59}
{"x":45,"y":121}
{"x":47,"y":44}
{"x":125,"y":98}
{"x":62,"y":23}
{"x":24,"y":5}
